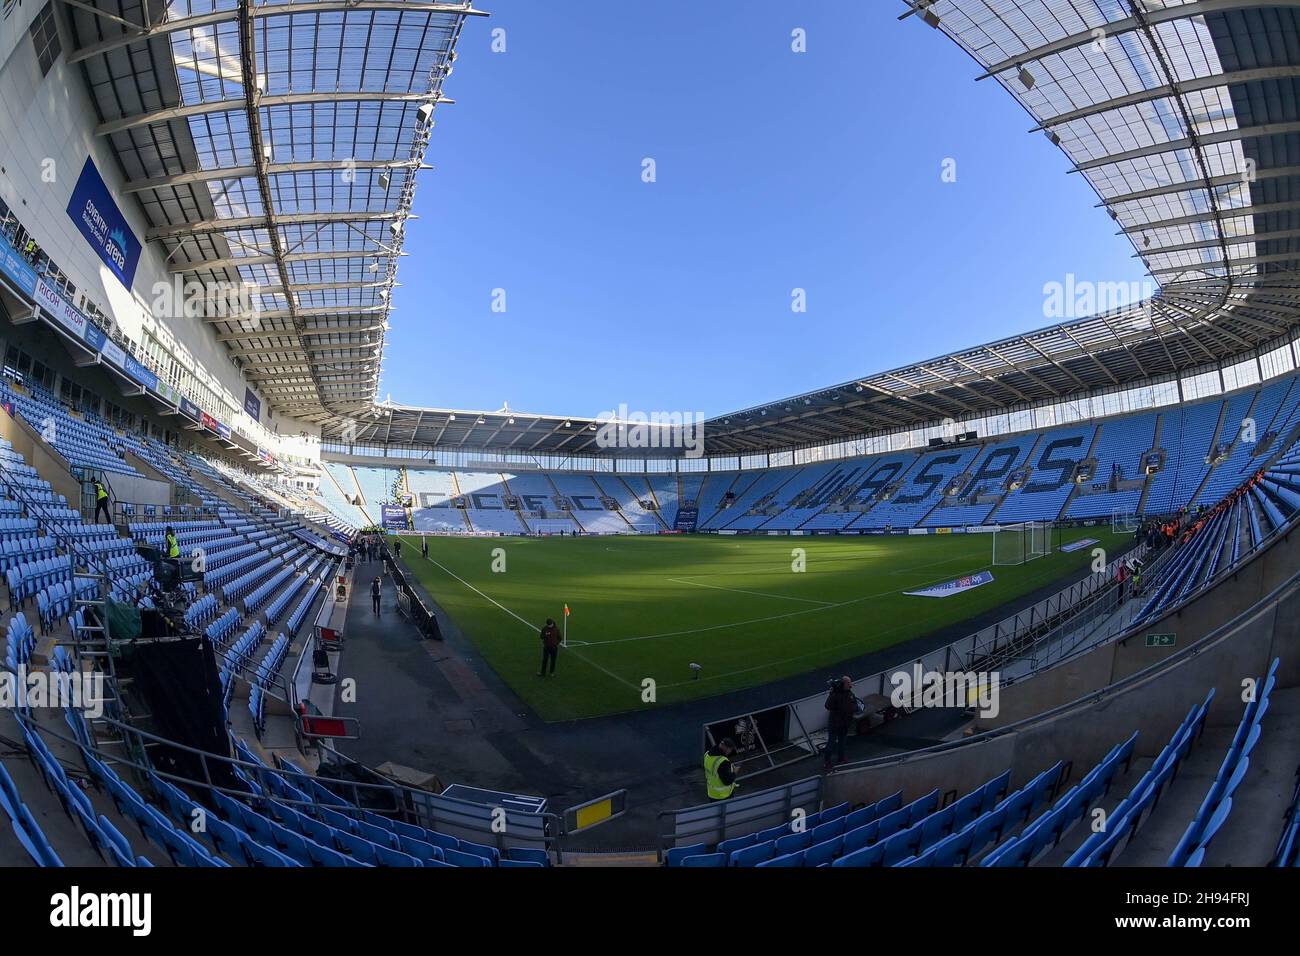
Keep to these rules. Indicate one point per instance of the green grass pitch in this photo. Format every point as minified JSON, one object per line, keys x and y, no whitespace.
{"x":648,"y":606}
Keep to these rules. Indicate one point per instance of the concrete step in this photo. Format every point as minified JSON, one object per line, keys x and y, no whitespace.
{"x":60,"y":830}
{"x":54,"y":730}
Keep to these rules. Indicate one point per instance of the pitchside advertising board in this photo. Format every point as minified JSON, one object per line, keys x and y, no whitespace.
{"x":394,"y":516}
{"x":102,"y":224}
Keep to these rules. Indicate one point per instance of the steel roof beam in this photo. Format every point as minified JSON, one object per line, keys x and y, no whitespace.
{"x":235,"y":105}
{"x":185,"y":229}
{"x":1214,"y":243}
{"x":267,"y":315}
{"x":1199,"y":185}
{"x":325,"y":255}
{"x":1196,"y":8}
{"x":1168,"y":91}
{"x":1204,"y":139}
{"x":197,"y":21}
{"x":274,"y":169}
{"x":1224,"y":213}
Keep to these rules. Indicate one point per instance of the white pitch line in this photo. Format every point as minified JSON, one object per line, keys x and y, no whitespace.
{"x":530,"y":625}
{"x":781,"y":597}
{"x":772,"y":617}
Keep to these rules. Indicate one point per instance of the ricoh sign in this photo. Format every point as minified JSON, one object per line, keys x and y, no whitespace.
{"x":49,"y":299}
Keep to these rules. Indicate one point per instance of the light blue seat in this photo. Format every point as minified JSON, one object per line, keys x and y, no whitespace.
{"x":867,"y":856}
{"x":822,"y":853}
{"x":857,"y":838}
{"x":753,"y":855}
{"x":785,"y":860}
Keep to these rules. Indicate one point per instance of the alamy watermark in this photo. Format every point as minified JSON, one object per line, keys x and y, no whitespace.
{"x":919,"y":688}
{"x":1077,"y":298}
{"x":235,"y":301}
{"x":48,"y":689}
{"x":621,"y":428}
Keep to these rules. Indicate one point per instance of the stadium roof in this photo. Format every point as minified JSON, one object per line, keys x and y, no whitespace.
{"x":273,"y":146}
{"x":1183,"y":116}
{"x":235,"y":123}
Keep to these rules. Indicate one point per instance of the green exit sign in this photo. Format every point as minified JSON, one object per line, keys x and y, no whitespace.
{"x":1160,"y":640}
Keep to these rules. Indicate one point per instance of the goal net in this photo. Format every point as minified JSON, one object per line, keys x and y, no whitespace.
{"x":1021,"y":543}
{"x":1123,"y":521}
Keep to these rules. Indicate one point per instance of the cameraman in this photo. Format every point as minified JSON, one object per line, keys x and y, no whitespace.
{"x":842,"y":704}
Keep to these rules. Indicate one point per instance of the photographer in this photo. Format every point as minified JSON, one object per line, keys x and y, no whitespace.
{"x":842,"y":705}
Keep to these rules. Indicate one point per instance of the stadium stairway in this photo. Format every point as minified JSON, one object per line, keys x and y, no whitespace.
{"x":464,"y":512}
{"x":1248,"y":837}
{"x":1073,"y":496}
{"x":58,"y":828}
{"x":1208,"y":455}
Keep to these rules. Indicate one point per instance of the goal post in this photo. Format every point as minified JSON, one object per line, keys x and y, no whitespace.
{"x":1123,"y":521}
{"x":1021,"y":543}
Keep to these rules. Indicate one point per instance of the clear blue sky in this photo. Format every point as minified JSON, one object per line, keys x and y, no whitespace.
{"x":775,"y":170}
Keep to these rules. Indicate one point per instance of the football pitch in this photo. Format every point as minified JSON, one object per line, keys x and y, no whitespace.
{"x":647,"y":607}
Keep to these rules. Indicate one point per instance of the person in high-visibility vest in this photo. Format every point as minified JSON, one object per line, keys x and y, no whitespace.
{"x":101,"y":502}
{"x":173,"y":546}
{"x":719,"y":771}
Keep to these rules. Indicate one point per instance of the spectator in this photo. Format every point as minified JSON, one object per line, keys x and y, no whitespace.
{"x":719,"y":771}
{"x":376,"y":592}
{"x":842,"y":705}
{"x":550,"y":635}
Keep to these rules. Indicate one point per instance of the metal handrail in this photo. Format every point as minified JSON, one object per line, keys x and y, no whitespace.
{"x":404,"y":802}
{"x":71,"y":546}
{"x":1218,"y":577}
{"x":1221,"y":632}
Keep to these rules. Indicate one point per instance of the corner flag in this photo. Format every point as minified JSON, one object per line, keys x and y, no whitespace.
{"x":565,"y":639}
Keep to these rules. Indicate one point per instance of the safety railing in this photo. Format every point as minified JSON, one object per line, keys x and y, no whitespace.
{"x":720,"y":820}
{"x":502,"y":827}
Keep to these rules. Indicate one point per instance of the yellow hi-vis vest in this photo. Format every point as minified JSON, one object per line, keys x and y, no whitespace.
{"x":173,"y":548}
{"x":712,"y":781}
{"x":100,"y":493}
